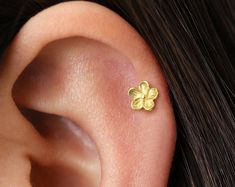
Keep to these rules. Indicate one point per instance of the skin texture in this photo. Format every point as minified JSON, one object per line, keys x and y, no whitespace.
{"x":68,"y":71}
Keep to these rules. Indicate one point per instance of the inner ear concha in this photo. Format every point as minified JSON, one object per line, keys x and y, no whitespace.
{"x":74,"y":159}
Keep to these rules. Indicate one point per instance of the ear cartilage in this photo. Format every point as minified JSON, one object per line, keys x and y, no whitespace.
{"x":143,"y":96}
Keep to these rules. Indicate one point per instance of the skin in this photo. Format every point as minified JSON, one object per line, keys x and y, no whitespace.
{"x":65,"y":113}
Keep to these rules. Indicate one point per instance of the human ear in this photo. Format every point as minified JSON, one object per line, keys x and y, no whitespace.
{"x":76,"y":61}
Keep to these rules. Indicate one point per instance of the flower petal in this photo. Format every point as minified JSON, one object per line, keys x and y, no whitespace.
{"x":153,"y":93}
{"x":135,"y":93}
{"x":148,"y":104}
{"x":144,"y":87}
{"x":137,"y":104}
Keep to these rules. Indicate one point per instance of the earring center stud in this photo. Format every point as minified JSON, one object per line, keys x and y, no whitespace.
{"x":143,"y":96}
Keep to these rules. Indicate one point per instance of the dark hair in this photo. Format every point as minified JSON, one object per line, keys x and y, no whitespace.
{"x":194,"y":42}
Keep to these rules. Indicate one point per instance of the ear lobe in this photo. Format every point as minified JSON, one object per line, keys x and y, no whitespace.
{"x":86,"y":78}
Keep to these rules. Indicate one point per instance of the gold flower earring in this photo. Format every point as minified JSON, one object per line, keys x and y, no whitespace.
{"x":143,"y":96}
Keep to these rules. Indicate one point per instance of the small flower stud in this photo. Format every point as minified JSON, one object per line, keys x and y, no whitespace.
{"x":143,"y":96}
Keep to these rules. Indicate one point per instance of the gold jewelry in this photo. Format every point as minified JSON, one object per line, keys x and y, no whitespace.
{"x":143,"y":96}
